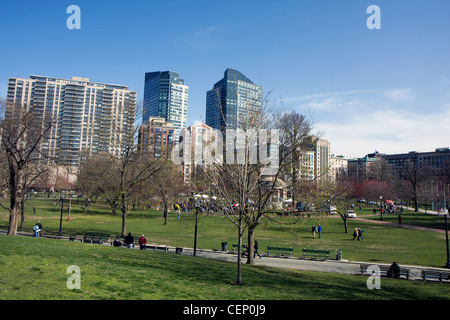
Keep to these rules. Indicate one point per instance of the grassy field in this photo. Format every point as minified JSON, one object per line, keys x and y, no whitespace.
{"x":382,"y":243}
{"x":36,"y":268}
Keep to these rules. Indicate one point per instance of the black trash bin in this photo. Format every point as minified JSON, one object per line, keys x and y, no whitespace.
{"x":178,"y":250}
{"x":224,"y":246}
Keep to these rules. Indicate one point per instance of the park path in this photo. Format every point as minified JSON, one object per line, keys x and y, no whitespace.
{"x":400,"y":225}
{"x":331,"y":266}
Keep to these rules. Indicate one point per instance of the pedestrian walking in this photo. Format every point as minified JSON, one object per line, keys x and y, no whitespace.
{"x":319,"y":229}
{"x":39,"y":224}
{"x":400,"y":219}
{"x":355,"y":234}
{"x":314,"y":229}
{"x":142,"y":242}
{"x":34,"y":210}
{"x":256,"y":250}
{"x":360,"y":234}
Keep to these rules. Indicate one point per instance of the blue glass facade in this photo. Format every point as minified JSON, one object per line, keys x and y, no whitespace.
{"x":230,"y":101}
{"x":165,"y":96}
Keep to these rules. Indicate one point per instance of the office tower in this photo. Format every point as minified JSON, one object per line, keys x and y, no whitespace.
{"x":165,"y":96}
{"x":322,"y":159}
{"x":88,"y":117}
{"x":156,"y":137}
{"x":232,"y":101}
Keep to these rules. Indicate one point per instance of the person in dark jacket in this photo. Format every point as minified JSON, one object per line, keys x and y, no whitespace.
{"x":128,"y":241}
{"x":394,"y":271}
{"x":256,"y":250}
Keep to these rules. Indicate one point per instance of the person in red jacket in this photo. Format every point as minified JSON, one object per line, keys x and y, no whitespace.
{"x":142,"y":242}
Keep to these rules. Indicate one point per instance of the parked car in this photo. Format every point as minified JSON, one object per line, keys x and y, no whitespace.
{"x":351,"y":214}
{"x":332,"y":210}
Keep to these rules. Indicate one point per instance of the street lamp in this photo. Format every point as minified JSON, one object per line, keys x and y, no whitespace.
{"x":381,"y":207}
{"x":60,"y":220}
{"x":446,"y":213}
{"x":195,"y":234}
{"x":68,"y":209}
{"x":447,"y":265}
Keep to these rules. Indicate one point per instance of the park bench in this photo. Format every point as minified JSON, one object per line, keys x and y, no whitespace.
{"x":76,"y":237}
{"x":96,"y":237}
{"x":279,"y":251}
{"x":236,"y":246}
{"x":384,"y":269}
{"x":435,"y":274}
{"x":157,"y":248}
{"x":323,"y":254}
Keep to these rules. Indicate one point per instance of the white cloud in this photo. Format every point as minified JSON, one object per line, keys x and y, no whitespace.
{"x":388,"y":131}
{"x":203,"y":39}
{"x":444,"y":81}
{"x":357,"y":122}
{"x":400,"y":95}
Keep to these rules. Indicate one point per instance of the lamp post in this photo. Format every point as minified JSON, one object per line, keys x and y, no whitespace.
{"x":60,"y":220}
{"x":446,"y":213}
{"x":447,"y":265}
{"x":381,"y":208}
{"x":68,"y":209}
{"x":195,"y":234}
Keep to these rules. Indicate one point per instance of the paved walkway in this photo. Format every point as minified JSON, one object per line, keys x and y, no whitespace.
{"x":332,"y":266}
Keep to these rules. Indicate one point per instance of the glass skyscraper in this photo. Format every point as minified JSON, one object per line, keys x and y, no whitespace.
{"x":232,"y":100}
{"x":165,"y":96}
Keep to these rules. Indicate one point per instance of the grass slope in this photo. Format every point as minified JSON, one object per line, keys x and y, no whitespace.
{"x":35,"y":268}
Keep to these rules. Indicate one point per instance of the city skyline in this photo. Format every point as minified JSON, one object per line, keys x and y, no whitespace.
{"x":367,"y":90}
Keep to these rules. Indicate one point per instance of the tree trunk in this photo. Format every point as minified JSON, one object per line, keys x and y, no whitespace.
{"x":239,"y":260}
{"x":22,"y":213}
{"x":251,"y":249}
{"x":344,"y":218}
{"x":16,"y":186}
{"x":124,"y":215}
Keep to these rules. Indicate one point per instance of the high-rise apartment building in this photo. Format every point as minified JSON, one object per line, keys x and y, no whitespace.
{"x":88,"y":117}
{"x":232,"y":100}
{"x":165,"y":96}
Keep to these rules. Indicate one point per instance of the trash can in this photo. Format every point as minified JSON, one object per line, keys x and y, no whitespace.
{"x":338,"y":255}
{"x":224,"y":246}
{"x":178,"y":250}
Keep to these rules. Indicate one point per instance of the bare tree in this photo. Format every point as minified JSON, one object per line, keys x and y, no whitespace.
{"x":295,"y":136}
{"x":21,"y":136}
{"x":246,"y":181}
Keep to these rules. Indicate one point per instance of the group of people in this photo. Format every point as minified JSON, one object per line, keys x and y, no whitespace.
{"x":128,"y":242}
{"x":255,"y":252}
{"x":317,"y":229}
{"x":358,"y":234}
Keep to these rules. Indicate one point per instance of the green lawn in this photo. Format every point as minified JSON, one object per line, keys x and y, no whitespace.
{"x":381,"y":243}
{"x":35,"y":268}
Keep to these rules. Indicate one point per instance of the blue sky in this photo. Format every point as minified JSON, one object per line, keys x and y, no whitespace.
{"x":386,"y":89}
